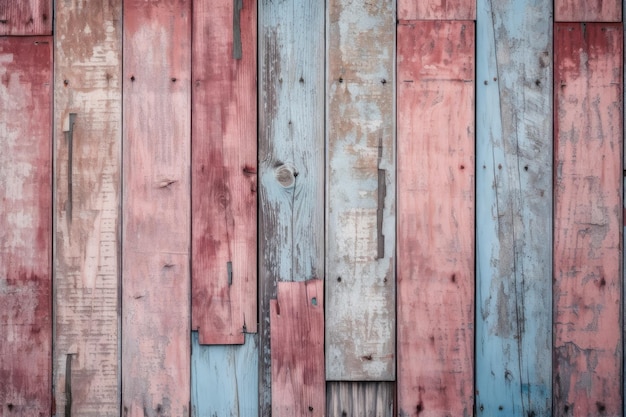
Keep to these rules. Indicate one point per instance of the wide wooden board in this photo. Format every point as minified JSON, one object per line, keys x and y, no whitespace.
{"x":588,"y":219}
{"x":25,"y":226}
{"x":514,"y":208}
{"x":224,"y":171}
{"x":297,"y":349}
{"x":436,"y":9}
{"x":156,"y":209}
{"x":360,"y":203}
{"x":587,"y":11}
{"x":363,"y":399}
{"x":87,"y":140}
{"x":25,"y":17}
{"x":435,"y":218}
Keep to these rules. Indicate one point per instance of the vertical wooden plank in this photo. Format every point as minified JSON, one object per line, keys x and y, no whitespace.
{"x":25,"y":226}
{"x":156,"y":233}
{"x":291,"y":156}
{"x":587,"y":11}
{"x":225,"y":379}
{"x":436,"y":9}
{"x":514,"y":208}
{"x":297,"y":349}
{"x":88,"y":139}
{"x":224,"y":183}
{"x":435,"y":218}
{"x":588,"y":223}
{"x":25,"y":17}
{"x":360,"y":227}
{"x":363,"y":399}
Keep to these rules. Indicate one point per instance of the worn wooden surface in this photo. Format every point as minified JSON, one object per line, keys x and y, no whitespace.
{"x":224,"y":179}
{"x":225,"y":379}
{"x":587,"y":11}
{"x":156,"y":233}
{"x":514,"y":208}
{"x":25,"y":17}
{"x":87,"y":138}
{"x":436,"y":9}
{"x":291,"y":156}
{"x":297,"y":349}
{"x":362,"y":399}
{"x":360,"y":222}
{"x":25,"y":226}
{"x":588,"y":219}
{"x":435,"y":218}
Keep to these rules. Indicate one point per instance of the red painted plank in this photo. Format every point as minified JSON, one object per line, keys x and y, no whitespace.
{"x":25,"y":225}
{"x":588,"y":223}
{"x":437,"y":9}
{"x":435,"y":218}
{"x":588,"y":10}
{"x":25,"y":17}
{"x":224,"y":179}
{"x":297,"y":349}
{"x":156,"y":210}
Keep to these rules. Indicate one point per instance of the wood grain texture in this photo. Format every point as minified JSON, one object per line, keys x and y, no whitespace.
{"x":363,"y":399}
{"x":25,"y":226}
{"x":225,"y":379}
{"x":224,"y":179}
{"x":436,"y":9}
{"x":514,"y":208}
{"x":25,"y":17}
{"x":587,"y":10}
{"x":297,"y":319}
{"x":588,"y":219}
{"x":435,"y":218}
{"x":87,"y":138}
{"x":291,"y":156}
{"x":156,"y":209}
{"x":360,"y":223}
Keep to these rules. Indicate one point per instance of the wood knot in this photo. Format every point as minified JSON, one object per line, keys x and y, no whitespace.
{"x":286,"y":175}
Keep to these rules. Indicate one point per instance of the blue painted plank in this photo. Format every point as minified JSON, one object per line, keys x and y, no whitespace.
{"x":225,"y":379}
{"x":514,"y":207}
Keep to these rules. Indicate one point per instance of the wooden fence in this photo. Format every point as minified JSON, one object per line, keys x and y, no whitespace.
{"x":306,"y":208}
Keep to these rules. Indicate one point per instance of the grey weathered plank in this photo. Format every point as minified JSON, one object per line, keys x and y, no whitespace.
{"x":363,"y":399}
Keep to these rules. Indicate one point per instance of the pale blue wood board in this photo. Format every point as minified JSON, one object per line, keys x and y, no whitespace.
{"x":514,"y":208}
{"x":225,"y":379}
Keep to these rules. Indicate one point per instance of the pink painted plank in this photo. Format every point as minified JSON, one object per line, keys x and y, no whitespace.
{"x":588,"y":10}
{"x":156,"y":210}
{"x":25,"y":226}
{"x":297,"y":349}
{"x":25,"y":17}
{"x":437,"y":9}
{"x":224,"y":179}
{"x":435,"y":218}
{"x":588,"y":223}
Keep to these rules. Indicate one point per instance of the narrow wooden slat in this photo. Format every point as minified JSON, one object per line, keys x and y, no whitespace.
{"x":224,"y":183}
{"x":156,"y":209}
{"x":588,"y":219}
{"x":25,"y":226}
{"x":25,"y":17}
{"x":297,"y":349}
{"x":436,"y":9}
{"x":514,"y":208}
{"x":435,"y":218}
{"x":363,"y":399}
{"x":291,"y":156}
{"x":88,"y":136}
{"x":225,"y":379}
{"x":360,"y":238}
{"x":588,"y":11}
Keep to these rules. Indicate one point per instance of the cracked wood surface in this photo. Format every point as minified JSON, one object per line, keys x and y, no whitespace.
{"x":25,"y":17}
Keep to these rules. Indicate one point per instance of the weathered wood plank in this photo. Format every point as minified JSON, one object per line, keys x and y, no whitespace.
{"x":297,"y":349}
{"x":436,"y":9}
{"x":363,"y":399}
{"x":291,"y":156}
{"x":514,"y":208}
{"x":360,"y":226}
{"x":88,"y":137}
{"x":156,"y":209}
{"x":588,"y":219}
{"x":435,"y":218}
{"x":25,"y":226}
{"x":587,"y":11}
{"x":224,"y":183}
{"x":225,"y":379}
{"x":25,"y":17}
